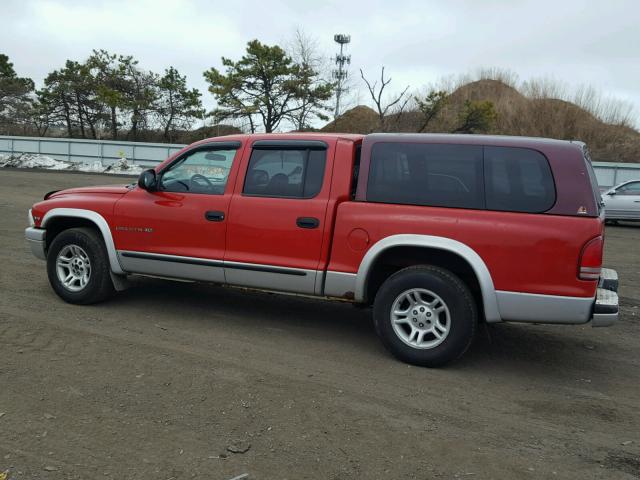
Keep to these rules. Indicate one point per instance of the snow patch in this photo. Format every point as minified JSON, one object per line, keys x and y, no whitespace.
{"x":29,"y":160}
{"x":32,"y":160}
{"x":122,"y":167}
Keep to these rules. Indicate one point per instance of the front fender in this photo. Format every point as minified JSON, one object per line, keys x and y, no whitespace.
{"x":98,"y":220}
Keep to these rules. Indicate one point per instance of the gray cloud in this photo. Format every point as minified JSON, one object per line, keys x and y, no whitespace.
{"x":572,"y":41}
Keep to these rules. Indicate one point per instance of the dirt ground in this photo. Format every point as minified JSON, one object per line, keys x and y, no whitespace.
{"x":162,"y":381}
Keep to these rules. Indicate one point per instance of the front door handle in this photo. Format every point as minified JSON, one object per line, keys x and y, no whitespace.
{"x":307,"y":222}
{"x":214,"y":216}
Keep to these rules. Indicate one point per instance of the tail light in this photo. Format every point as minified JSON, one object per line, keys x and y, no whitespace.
{"x":591,"y":260}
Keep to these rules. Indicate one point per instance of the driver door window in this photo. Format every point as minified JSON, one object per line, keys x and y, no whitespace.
{"x":203,"y":171}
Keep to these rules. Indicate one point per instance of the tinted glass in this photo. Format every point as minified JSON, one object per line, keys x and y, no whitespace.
{"x":356,"y":171}
{"x":426,"y":174}
{"x":632,"y":188}
{"x":203,"y":171}
{"x":518,"y":180}
{"x":285,"y":173}
{"x":593,"y":180}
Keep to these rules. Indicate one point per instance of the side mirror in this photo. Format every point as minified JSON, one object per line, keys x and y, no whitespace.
{"x":148,"y":180}
{"x":612,"y":192}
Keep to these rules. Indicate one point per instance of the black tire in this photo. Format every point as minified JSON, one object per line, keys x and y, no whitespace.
{"x":463,"y":315}
{"x":99,"y":286}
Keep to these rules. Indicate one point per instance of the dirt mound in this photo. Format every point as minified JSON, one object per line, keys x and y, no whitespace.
{"x":359,"y":119}
{"x":492,"y":90}
{"x":517,"y":114}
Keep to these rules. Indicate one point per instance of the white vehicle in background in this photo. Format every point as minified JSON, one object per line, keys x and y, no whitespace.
{"x":622,"y":202}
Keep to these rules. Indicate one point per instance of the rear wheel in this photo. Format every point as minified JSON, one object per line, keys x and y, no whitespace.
{"x":78,"y":266}
{"x":425,"y":315}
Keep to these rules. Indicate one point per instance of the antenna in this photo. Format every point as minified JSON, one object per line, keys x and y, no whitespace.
{"x":340,"y":73}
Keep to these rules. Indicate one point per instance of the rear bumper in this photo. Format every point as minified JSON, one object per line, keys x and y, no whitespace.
{"x":605,"y":307}
{"x":36,"y":241}
{"x":608,"y":279}
{"x":601,"y":310}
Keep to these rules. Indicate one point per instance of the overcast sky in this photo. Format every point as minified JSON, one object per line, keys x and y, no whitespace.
{"x":576,"y":42}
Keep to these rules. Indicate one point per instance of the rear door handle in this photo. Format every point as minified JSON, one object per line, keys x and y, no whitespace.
{"x":307,"y":222}
{"x":214,"y":216}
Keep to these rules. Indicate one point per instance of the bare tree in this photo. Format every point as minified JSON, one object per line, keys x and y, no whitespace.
{"x":315,"y":89}
{"x":395,"y":105}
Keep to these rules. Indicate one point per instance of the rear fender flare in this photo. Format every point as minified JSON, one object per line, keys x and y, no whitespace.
{"x":489,"y":299}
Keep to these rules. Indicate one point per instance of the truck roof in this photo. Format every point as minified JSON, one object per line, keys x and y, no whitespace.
{"x":446,"y":138}
{"x":467,"y":139}
{"x":354,"y":137}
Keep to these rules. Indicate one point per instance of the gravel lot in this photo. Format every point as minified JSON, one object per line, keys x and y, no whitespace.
{"x":165,"y":379}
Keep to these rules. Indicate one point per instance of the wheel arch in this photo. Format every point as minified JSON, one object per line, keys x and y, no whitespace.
{"x":465,"y":253}
{"x":82,"y":217}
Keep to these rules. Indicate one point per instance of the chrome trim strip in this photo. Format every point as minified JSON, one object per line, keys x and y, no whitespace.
{"x":491,"y":311}
{"x":270,"y":277}
{"x":214,"y":263}
{"x":266,"y":268}
{"x":340,"y":284}
{"x":171,"y":258}
{"x":100,"y":222}
{"x":211,"y":270}
{"x":537,"y":308}
{"x":172,"y":266}
{"x":590,"y":269}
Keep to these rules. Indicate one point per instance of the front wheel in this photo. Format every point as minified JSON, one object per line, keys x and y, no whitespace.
{"x":425,"y":315}
{"x":78,"y":266}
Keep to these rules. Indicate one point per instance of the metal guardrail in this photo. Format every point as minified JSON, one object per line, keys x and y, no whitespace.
{"x":610,"y":174}
{"x":150,"y":154}
{"x":89,"y":151}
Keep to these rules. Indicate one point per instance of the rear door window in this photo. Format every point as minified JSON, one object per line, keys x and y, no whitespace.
{"x":296,"y":173}
{"x":426,"y":174}
{"x":518,"y":180}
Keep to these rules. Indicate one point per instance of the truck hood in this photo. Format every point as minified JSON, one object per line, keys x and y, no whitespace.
{"x":103,"y":189}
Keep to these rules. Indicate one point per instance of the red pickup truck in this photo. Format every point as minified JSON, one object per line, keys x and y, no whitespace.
{"x":436,"y":232}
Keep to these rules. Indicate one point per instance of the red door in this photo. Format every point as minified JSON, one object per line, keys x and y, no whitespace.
{"x":180,"y":229}
{"x":276,"y":218}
